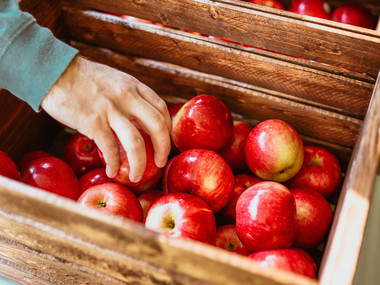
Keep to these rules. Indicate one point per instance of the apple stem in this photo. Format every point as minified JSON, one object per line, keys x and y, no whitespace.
{"x":102,"y":204}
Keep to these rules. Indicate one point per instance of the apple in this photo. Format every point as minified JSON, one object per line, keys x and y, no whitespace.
{"x":274,"y":150}
{"x":182,"y":215}
{"x":173,"y":110}
{"x":233,"y":151}
{"x":269,"y":3}
{"x":291,"y":259}
{"x":203,"y":122}
{"x":8,"y":166}
{"x":203,"y":173}
{"x":227,"y":238}
{"x":147,"y":199}
{"x":28,"y":157}
{"x":320,"y":170}
{"x":114,"y":199}
{"x":151,"y":169}
{"x":313,"y":217}
{"x":148,"y":185}
{"x":265,"y":216}
{"x":164,"y":181}
{"x":242,"y":182}
{"x":354,"y":14}
{"x":315,"y":8}
{"x":92,"y":178}
{"x":52,"y":174}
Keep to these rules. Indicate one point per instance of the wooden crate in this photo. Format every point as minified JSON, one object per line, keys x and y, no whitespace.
{"x":317,"y":75}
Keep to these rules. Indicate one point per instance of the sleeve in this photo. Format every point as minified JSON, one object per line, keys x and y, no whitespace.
{"x":31,"y":58}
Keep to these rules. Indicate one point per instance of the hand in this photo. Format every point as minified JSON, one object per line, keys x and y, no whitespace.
{"x":96,"y":100}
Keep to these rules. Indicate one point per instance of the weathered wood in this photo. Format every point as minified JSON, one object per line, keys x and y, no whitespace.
{"x":272,"y":29}
{"x":346,"y":235}
{"x":85,"y":238}
{"x":349,"y":95}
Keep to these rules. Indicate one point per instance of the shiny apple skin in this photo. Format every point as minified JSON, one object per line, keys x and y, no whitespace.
{"x":92,"y":178}
{"x":52,"y":174}
{"x":265,"y":217}
{"x":203,"y":122}
{"x":8,"y":166}
{"x":314,"y":8}
{"x":114,"y":199}
{"x":29,"y":156}
{"x":227,"y":238}
{"x":274,"y":150}
{"x":203,"y":173}
{"x":354,"y":14}
{"x":182,"y":215}
{"x":293,"y":260}
{"x":149,"y":184}
{"x":147,"y":199}
{"x":269,"y":3}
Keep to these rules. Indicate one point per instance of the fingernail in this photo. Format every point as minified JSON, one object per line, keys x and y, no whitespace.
{"x":135,"y":179}
{"x":162,"y":163}
{"x":110,"y":174}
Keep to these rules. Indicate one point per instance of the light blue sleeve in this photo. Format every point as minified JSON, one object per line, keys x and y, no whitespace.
{"x":31,"y":58}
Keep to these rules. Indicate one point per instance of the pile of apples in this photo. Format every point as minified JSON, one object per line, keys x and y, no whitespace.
{"x":255,"y":191}
{"x":350,"y":13}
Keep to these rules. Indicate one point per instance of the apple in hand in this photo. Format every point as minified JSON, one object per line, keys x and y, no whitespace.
{"x":313,"y":217}
{"x":147,"y":199}
{"x":173,"y":110}
{"x":52,"y":174}
{"x":315,"y":8}
{"x":92,"y":178}
{"x":81,"y":154}
{"x":8,"y":166}
{"x":354,"y":14}
{"x":233,"y":151}
{"x":182,"y":215}
{"x":269,"y":3}
{"x":151,"y":169}
{"x":274,"y":150}
{"x":203,"y":122}
{"x":265,"y":216}
{"x":320,"y":170}
{"x":242,"y":182}
{"x":291,"y":259}
{"x":147,"y":185}
{"x":29,"y":156}
{"x":114,"y":199}
{"x":227,"y":238}
{"x":203,"y":173}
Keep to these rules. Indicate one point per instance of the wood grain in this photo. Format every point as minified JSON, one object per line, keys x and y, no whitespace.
{"x":343,"y":247}
{"x":235,"y":63}
{"x":275,"y":30}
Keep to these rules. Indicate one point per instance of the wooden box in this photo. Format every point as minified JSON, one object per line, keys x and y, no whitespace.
{"x":319,"y":76}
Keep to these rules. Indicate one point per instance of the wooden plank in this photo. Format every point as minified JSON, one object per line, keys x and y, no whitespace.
{"x":251,"y":103}
{"x":348,"y":95}
{"x":271,"y":29}
{"x":347,"y":231}
{"x":119,"y":248}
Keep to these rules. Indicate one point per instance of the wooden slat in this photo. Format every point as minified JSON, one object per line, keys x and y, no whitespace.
{"x":272,"y":29}
{"x":86,"y":238}
{"x":348,"y":95}
{"x":251,"y":103}
{"x":346,"y":236}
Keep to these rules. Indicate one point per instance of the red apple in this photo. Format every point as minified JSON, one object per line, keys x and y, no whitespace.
{"x":203,"y":173}
{"x":274,"y":150}
{"x":114,"y":199}
{"x":164,"y":181}
{"x":151,"y":169}
{"x":173,"y":110}
{"x":227,"y":238}
{"x":320,"y":170}
{"x":292,"y":259}
{"x":8,"y":167}
{"x":81,"y":154}
{"x":315,"y":8}
{"x":242,"y":182}
{"x":270,"y":3}
{"x":182,"y":215}
{"x":52,"y":174}
{"x":233,"y":151}
{"x":28,"y":157}
{"x":92,"y":178}
{"x":354,"y":14}
{"x":149,"y":184}
{"x":147,"y":199}
{"x":313,"y":217}
{"x":265,"y":216}
{"x":203,"y":122}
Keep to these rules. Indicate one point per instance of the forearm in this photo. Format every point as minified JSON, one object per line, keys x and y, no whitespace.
{"x":31,"y":58}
